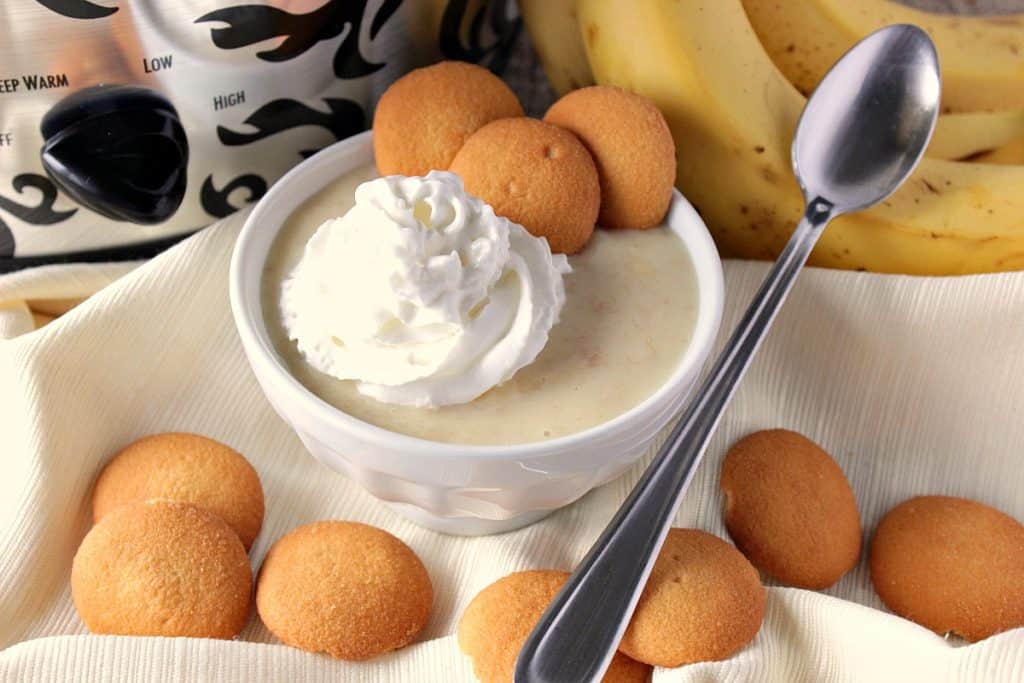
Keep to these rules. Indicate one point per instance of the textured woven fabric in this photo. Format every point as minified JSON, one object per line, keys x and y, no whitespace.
{"x":914,"y":384}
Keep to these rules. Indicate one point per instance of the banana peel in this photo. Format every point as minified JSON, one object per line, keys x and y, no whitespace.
{"x":969,"y":135}
{"x":733,"y":114}
{"x":555,"y":32}
{"x":1012,"y":153}
{"x":981,"y":57}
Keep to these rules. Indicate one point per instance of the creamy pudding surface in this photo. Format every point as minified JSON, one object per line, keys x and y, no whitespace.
{"x":630,"y":310}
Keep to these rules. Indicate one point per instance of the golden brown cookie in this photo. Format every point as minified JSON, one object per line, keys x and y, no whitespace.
{"x":188,"y":468}
{"x":789,"y":508}
{"x":347,"y":589}
{"x":161,"y":568}
{"x":424,"y":118}
{"x":497,"y":621}
{"x":536,"y":174}
{"x":632,"y":146}
{"x":702,"y":602}
{"x":951,"y":565}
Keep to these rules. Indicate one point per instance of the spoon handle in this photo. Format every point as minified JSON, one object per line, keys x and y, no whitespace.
{"x":577,"y":636}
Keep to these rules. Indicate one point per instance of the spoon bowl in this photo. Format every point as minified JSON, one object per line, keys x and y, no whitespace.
{"x":855,"y":145}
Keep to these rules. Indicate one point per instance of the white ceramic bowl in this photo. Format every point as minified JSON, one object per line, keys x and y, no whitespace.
{"x":456,"y":489}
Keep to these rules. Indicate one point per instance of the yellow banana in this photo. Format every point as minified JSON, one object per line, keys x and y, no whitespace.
{"x":973,"y":134}
{"x":982,"y":58}
{"x":555,"y":33}
{"x":732,"y":115}
{"x":1011,"y":153}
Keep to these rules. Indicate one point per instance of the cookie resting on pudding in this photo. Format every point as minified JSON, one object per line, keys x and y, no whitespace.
{"x":633,"y":148}
{"x":535,"y":174}
{"x":424,"y":117}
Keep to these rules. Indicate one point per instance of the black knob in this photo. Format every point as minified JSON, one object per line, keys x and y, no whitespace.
{"x":119,"y":150}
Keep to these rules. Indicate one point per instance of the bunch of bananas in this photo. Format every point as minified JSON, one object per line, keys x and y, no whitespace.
{"x":731,"y":77}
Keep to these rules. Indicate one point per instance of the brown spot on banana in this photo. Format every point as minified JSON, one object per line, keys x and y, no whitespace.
{"x":1013,"y":22}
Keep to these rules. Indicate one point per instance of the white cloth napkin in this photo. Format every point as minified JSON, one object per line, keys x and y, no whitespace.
{"x":915,"y":385}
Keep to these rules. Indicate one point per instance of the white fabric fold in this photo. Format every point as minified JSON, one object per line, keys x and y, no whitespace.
{"x":913,"y":384}
{"x":57,"y":283}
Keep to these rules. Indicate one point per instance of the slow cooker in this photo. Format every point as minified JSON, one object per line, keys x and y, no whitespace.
{"x":126,"y":125}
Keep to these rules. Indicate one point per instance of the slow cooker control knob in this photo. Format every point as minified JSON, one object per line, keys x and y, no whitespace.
{"x":118,"y":150}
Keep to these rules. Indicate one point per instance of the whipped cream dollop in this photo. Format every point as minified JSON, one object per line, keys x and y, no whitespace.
{"x":422,"y":294}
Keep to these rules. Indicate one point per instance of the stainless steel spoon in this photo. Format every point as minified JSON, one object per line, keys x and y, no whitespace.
{"x":862,"y":132}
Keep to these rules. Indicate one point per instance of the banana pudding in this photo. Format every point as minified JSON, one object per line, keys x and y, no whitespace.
{"x":625,"y":315}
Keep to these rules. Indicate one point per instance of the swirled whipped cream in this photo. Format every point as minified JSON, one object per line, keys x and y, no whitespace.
{"x":422,"y":294}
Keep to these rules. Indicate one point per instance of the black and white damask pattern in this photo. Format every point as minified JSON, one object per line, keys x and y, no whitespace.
{"x":217,"y":201}
{"x":343,"y":118}
{"x":251,"y":24}
{"x":78,"y":9}
{"x":40,"y":213}
{"x":490,"y":33}
{"x":472,"y":31}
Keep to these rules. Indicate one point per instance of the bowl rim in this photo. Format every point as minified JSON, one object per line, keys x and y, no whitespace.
{"x":313,"y":174}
